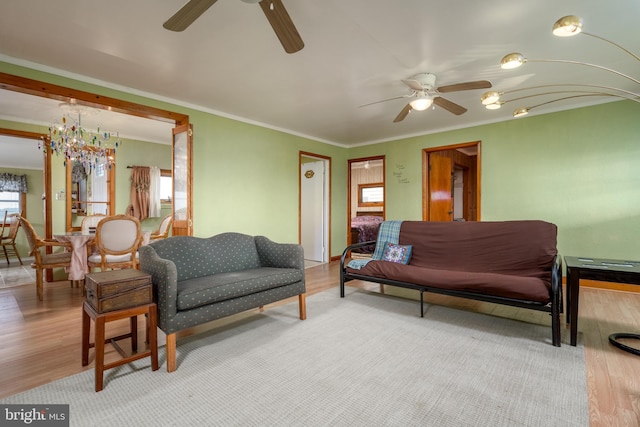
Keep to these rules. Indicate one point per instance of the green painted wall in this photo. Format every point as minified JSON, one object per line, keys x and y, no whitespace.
{"x":246,"y":180}
{"x":577,"y":169}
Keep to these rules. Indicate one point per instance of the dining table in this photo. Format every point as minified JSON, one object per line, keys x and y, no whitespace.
{"x":79,"y":241}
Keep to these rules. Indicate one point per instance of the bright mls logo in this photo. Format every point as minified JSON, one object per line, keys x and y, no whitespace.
{"x":34,"y":415}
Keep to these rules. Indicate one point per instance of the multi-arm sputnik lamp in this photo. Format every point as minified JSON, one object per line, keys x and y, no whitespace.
{"x":564,"y":27}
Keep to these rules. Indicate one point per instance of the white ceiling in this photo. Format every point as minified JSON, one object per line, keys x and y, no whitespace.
{"x":229,"y":62}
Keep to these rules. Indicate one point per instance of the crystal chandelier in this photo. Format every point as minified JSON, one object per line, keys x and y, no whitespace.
{"x":77,"y":144}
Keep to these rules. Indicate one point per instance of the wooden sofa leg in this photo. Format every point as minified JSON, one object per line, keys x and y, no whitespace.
{"x":171,"y":352}
{"x":302,"y":301}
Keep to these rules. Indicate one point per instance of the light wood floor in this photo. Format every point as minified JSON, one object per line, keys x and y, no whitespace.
{"x":40,"y":341}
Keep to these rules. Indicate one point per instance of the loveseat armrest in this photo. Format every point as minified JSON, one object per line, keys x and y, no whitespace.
{"x":279,"y":255}
{"x":164,"y":277}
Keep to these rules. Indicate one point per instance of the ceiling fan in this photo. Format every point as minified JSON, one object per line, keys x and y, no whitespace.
{"x":273,"y":9}
{"x":424,"y":94}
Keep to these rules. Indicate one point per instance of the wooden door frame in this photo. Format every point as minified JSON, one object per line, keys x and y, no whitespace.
{"x":425,"y":174}
{"x":64,"y":94}
{"x":46,"y":173}
{"x":48,"y":192}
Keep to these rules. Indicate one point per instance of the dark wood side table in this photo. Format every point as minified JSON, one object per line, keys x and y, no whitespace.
{"x":604,"y":270}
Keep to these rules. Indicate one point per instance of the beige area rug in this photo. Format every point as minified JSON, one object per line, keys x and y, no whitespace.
{"x":365,"y":360}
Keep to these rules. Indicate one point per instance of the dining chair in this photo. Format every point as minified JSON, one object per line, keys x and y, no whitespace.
{"x":90,"y":223}
{"x":2,"y":225}
{"x":163,"y":229}
{"x":42,"y":260}
{"x":88,"y":226}
{"x":9,"y":241}
{"x":117,"y":241}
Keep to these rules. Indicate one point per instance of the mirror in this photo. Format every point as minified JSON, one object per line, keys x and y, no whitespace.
{"x":89,"y":192}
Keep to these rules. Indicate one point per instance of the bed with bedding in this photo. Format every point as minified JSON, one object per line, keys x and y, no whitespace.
{"x":364,"y":228}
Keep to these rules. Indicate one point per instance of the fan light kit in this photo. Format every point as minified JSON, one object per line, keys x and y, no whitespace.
{"x":422,"y":103}
{"x":566,"y":26}
{"x":423,"y":94}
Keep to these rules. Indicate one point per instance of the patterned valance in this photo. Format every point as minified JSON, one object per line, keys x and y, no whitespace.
{"x":13,"y":183}
{"x":78,"y":172}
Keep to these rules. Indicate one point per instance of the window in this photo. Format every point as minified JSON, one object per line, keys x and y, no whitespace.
{"x":166,"y":186}
{"x":13,"y":194}
{"x":370,"y":194}
{"x":11,"y":202}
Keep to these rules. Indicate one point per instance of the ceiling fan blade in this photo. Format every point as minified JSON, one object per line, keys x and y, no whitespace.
{"x":282,"y":25}
{"x":413,"y":84}
{"x":452,"y":107}
{"x":480,"y":84}
{"x":400,"y":117}
{"x":384,"y":100}
{"x":187,"y":14}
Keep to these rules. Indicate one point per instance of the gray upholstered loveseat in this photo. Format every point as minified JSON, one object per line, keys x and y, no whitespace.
{"x":197,"y":280}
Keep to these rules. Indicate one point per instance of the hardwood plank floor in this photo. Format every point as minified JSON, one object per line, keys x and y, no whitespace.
{"x":41,"y":340}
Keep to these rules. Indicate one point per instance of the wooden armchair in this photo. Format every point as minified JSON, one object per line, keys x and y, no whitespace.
{"x":117,"y":241}
{"x":43,"y":260}
{"x":2,"y":224}
{"x":89,"y":226}
{"x":90,"y":223}
{"x":163,"y":229}
{"x":8,"y":242}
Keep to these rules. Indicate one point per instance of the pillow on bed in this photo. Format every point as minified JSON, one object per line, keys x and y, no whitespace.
{"x":397,"y":253}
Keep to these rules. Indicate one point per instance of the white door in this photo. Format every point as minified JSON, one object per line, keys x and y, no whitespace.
{"x":312,"y":210}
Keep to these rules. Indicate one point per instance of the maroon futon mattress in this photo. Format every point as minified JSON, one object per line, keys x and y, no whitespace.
{"x":511,"y":259}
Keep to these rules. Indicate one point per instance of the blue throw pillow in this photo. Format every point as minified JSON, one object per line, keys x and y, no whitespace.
{"x":397,"y":253}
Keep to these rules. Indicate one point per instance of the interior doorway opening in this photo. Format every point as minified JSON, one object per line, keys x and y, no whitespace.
{"x":314,"y":207}
{"x":366,"y":207}
{"x":451,"y":183}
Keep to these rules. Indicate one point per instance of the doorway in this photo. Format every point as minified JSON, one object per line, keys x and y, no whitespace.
{"x":314,"y":206}
{"x":367,"y":199}
{"x":60,"y":93}
{"x":451,"y":183}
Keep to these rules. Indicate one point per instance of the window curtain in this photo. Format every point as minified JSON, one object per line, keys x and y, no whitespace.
{"x":154,"y":192}
{"x":139,"y":195}
{"x":13,"y":183}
